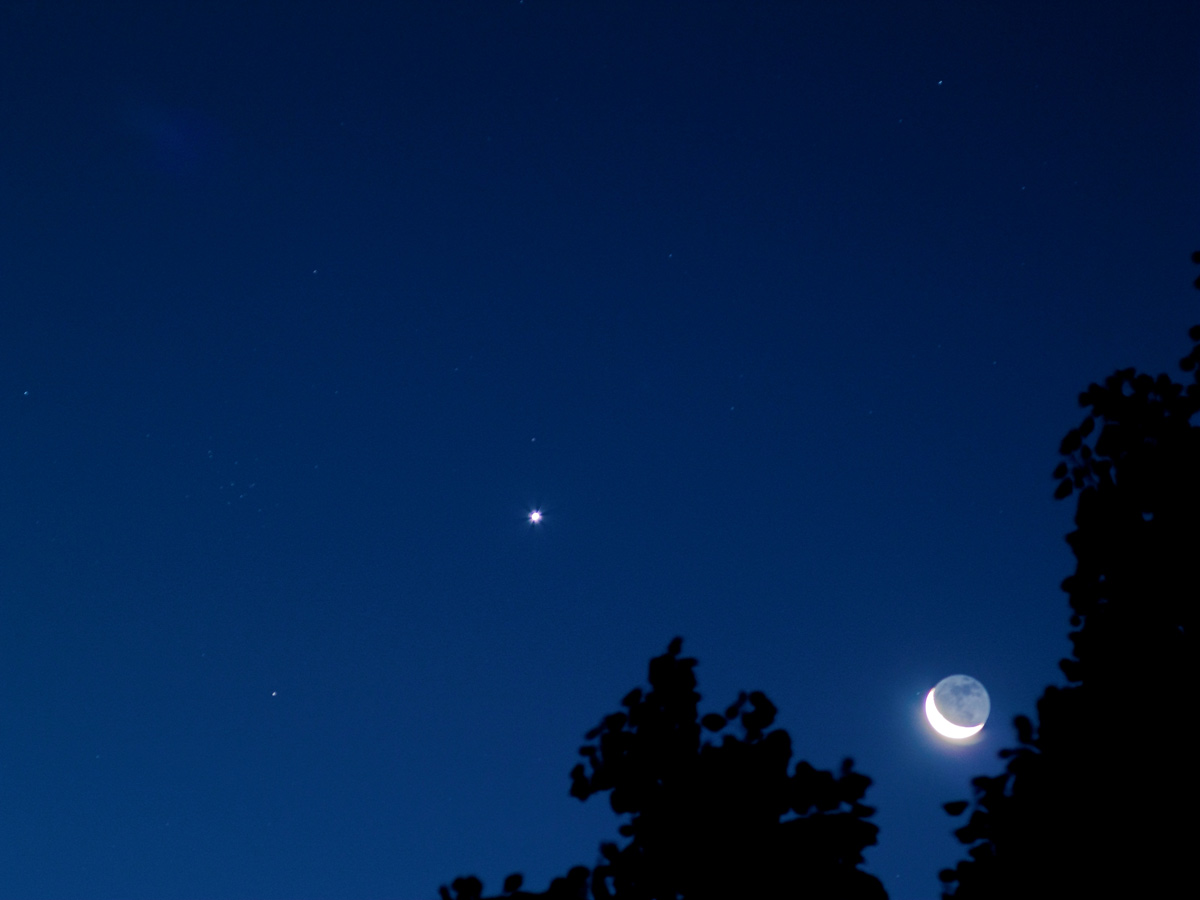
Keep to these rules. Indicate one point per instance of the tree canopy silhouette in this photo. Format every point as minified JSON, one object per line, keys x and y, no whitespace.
{"x":708,"y":818}
{"x":1097,"y":799}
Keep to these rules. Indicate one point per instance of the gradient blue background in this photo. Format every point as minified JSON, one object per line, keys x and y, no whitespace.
{"x":778,"y":310}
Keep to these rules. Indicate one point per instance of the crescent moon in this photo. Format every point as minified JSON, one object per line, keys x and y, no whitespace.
{"x":944,"y":726}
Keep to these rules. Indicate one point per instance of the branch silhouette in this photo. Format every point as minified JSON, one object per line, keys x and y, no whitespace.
{"x":1097,"y":798}
{"x":710,"y":818}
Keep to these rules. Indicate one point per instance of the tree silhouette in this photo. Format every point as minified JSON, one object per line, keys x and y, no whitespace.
{"x":1097,"y":799}
{"x":708,"y":819}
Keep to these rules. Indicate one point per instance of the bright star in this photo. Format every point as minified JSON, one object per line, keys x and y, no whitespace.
{"x":535,"y":517}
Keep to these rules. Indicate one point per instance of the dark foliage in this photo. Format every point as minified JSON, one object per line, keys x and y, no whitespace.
{"x":711,"y":818}
{"x":1098,"y":798}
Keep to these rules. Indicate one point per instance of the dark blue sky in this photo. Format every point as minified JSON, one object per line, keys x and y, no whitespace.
{"x":778,"y":310}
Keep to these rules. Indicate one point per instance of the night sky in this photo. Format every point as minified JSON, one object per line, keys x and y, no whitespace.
{"x":777,"y":311}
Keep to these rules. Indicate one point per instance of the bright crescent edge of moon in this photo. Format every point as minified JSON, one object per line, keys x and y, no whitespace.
{"x":944,"y":726}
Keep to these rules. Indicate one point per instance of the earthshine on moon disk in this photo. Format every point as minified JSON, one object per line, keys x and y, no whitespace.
{"x":957,"y":707}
